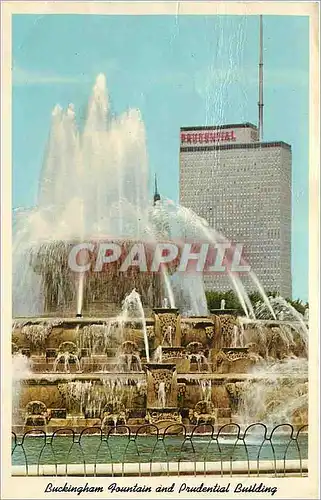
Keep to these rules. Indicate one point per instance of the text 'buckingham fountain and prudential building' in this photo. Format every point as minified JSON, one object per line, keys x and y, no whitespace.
{"x":242,"y":187}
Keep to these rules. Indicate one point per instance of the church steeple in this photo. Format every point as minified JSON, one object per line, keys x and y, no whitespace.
{"x":156,"y":193}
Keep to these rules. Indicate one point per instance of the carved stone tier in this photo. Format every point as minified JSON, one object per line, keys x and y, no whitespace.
{"x":98,"y":336}
{"x":76,"y":366}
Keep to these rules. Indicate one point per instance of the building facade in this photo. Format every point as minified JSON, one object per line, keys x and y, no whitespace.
{"x":242,"y":187}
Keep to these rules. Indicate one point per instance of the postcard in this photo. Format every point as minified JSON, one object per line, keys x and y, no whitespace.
{"x":160,"y":250}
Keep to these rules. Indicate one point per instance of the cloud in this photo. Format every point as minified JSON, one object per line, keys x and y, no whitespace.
{"x":287,"y":77}
{"x":211,"y":79}
{"x":22,"y":76}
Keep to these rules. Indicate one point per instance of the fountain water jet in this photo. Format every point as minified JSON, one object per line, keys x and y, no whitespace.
{"x":133,"y":308}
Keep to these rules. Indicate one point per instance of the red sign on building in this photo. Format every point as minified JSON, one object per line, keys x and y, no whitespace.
{"x":206,"y":137}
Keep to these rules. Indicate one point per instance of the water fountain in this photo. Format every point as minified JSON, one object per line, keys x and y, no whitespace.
{"x":107,"y":343}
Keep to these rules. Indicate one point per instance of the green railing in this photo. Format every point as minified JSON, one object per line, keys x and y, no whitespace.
{"x":119,"y":451}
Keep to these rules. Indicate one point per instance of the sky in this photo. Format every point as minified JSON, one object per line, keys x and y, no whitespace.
{"x":179,"y":71}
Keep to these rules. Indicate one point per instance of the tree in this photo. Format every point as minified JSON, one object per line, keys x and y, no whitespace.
{"x":298,"y":305}
{"x":214,"y":298}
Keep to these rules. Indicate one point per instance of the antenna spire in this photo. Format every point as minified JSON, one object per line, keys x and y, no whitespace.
{"x":260,"y":103}
{"x":156,"y":193}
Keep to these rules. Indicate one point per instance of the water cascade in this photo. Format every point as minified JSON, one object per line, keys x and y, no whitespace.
{"x":21,"y":370}
{"x":277,"y":393}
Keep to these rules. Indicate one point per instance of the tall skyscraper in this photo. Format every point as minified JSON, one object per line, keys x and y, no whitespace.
{"x":242,"y":187}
